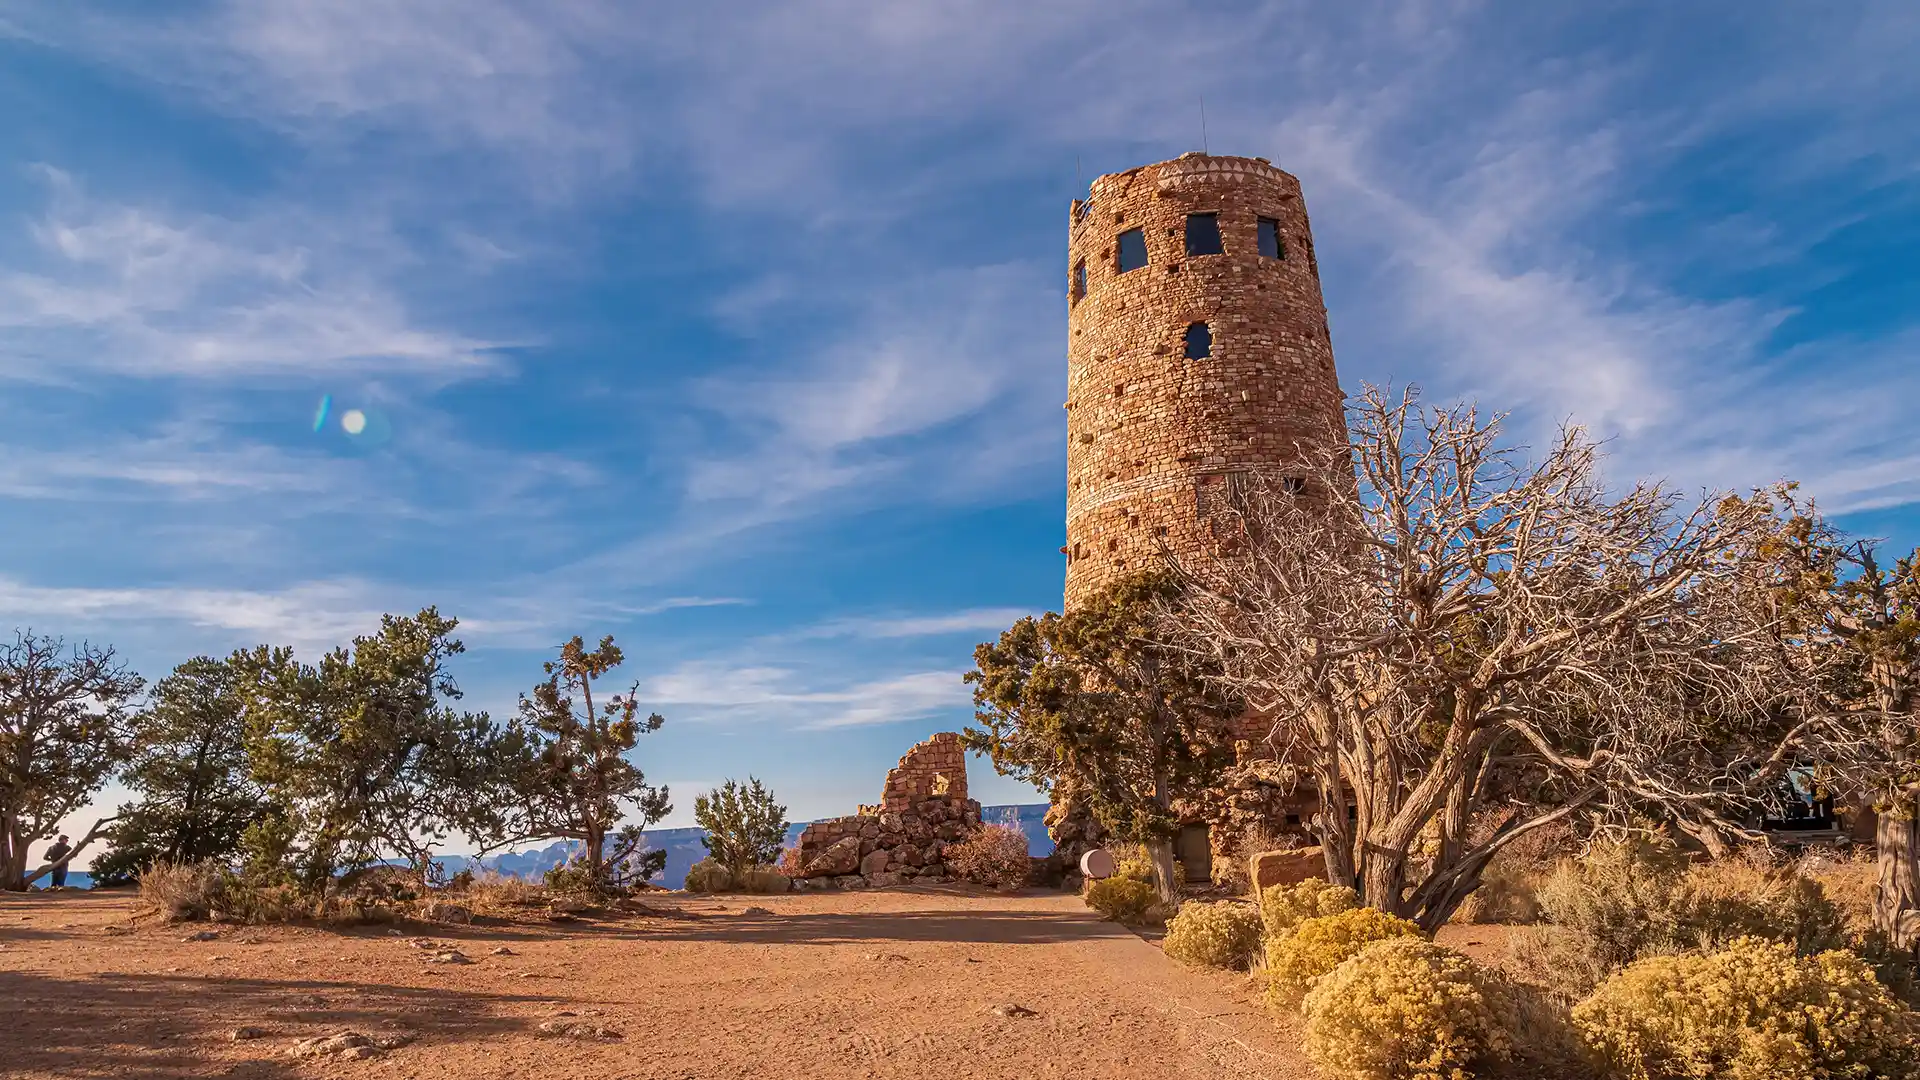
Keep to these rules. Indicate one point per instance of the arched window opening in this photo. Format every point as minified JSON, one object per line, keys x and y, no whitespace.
{"x":1199,"y":341}
{"x":1080,"y":279}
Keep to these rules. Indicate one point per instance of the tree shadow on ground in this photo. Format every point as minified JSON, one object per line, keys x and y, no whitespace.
{"x":801,"y":928}
{"x":169,"y":1027}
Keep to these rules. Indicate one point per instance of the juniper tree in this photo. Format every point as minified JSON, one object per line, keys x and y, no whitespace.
{"x":197,"y":794}
{"x":363,"y":757}
{"x":745,"y":827}
{"x":584,"y":785}
{"x":1101,"y":700}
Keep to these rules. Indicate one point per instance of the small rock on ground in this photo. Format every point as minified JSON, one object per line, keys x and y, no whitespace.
{"x":885,"y":956}
{"x":1011,"y":1010}
{"x":756,"y":911}
{"x":242,"y":1034}
{"x":503,"y":951}
{"x":203,"y":935}
{"x":451,"y":956}
{"x":574,"y":1029}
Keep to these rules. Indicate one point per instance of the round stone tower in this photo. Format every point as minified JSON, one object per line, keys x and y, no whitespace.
{"x":1197,"y":350}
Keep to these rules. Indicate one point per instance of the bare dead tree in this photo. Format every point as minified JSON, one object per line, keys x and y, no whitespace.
{"x":1438,"y":627}
{"x":65,"y":730}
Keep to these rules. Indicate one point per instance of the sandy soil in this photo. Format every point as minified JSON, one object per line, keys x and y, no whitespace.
{"x":864,"y":984}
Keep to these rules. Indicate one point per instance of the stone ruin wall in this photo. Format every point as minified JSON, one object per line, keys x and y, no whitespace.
{"x":923,"y":808}
{"x":1155,"y":440}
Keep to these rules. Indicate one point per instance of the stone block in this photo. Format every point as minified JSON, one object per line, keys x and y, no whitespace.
{"x":1270,"y":868}
{"x":840,"y":858}
{"x":874,"y":862}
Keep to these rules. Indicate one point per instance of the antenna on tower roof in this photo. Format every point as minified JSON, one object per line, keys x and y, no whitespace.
{"x":1203,"y":125}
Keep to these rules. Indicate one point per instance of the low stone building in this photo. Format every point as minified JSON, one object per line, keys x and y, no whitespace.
{"x":922,"y":809}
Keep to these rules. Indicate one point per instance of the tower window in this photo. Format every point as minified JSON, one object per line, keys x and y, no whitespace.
{"x":1293,"y":485}
{"x":1133,"y":250}
{"x":1270,"y":247}
{"x":1203,"y":234}
{"x":1199,"y":341}
{"x":1080,"y":279}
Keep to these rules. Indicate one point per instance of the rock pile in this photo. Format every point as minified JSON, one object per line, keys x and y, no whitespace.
{"x":923,"y":808}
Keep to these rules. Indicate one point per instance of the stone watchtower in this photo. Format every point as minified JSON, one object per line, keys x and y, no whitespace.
{"x":1197,"y":349}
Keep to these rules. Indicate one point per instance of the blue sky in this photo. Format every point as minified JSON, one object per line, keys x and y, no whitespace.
{"x":737,"y":331}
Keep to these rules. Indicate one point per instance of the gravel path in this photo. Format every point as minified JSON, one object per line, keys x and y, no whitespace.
{"x":909,"y":983}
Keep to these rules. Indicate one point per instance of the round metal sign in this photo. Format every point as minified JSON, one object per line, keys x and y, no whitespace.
{"x":1097,"y":863}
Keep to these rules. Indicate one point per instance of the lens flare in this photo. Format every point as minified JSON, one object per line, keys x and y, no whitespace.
{"x":353,"y":421}
{"x":320,"y":414}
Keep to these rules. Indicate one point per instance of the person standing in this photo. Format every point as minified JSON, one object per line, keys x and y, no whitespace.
{"x":60,"y":850}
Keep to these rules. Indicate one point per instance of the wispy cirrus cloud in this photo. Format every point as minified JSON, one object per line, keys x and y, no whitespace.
{"x":139,"y":291}
{"x":801,"y":698}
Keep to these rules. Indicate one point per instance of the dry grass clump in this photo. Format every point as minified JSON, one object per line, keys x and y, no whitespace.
{"x":1848,"y":881}
{"x":1628,"y":900}
{"x":1316,"y":946}
{"x":496,"y":894}
{"x":1220,"y":935}
{"x":996,"y":856}
{"x":1754,"y":1010}
{"x":1123,"y":899}
{"x":1282,"y":907}
{"x":1402,"y":1009}
{"x":708,"y":876}
{"x":1719,"y":901}
{"x":185,"y":891}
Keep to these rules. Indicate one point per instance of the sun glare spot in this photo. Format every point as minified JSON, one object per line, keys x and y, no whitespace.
{"x":353,"y":421}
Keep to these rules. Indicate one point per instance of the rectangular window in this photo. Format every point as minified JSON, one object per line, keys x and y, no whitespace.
{"x":1203,"y":234}
{"x":1131,"y":250}
{"x":1080,"y":279}
{"x":1270,"y":239}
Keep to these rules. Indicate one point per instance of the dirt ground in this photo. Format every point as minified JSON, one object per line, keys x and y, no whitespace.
{"x":829,"y":985}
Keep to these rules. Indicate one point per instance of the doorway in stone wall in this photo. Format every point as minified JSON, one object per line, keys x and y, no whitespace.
{"x":1194,"y":850}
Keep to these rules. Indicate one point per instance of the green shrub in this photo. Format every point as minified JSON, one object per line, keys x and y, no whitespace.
{"x":1402,"y":1009}
{"x":708,"y":876}
{"x":1283,"y":906}
{"x":1754,"y":1010}
{"x":1122,"y":899}
{"x":1222,"y":935}
{"x":1316,"y":946}
{"x":1131,"y":861}
{"x":572,"y":878}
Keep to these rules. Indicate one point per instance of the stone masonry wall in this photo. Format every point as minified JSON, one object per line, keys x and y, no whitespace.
{"x":923,"y":808}
{"x":1154,"y":440}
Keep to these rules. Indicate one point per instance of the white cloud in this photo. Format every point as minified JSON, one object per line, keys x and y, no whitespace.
{"x":141,"y":291}
{"x":971,"y":621}
{"x":718,"y":692}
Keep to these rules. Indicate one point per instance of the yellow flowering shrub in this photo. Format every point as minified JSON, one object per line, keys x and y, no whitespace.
{"x":1122,"y":899}
{"x":1317,"y":946}
{"x":1221,"y":935}
{"x":1751,"y":1011}
{"x":1402,"y":1009}
{"x":1283,"y":906}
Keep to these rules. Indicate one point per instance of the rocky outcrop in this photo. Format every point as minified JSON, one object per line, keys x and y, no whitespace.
{"x":923,"y":808}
